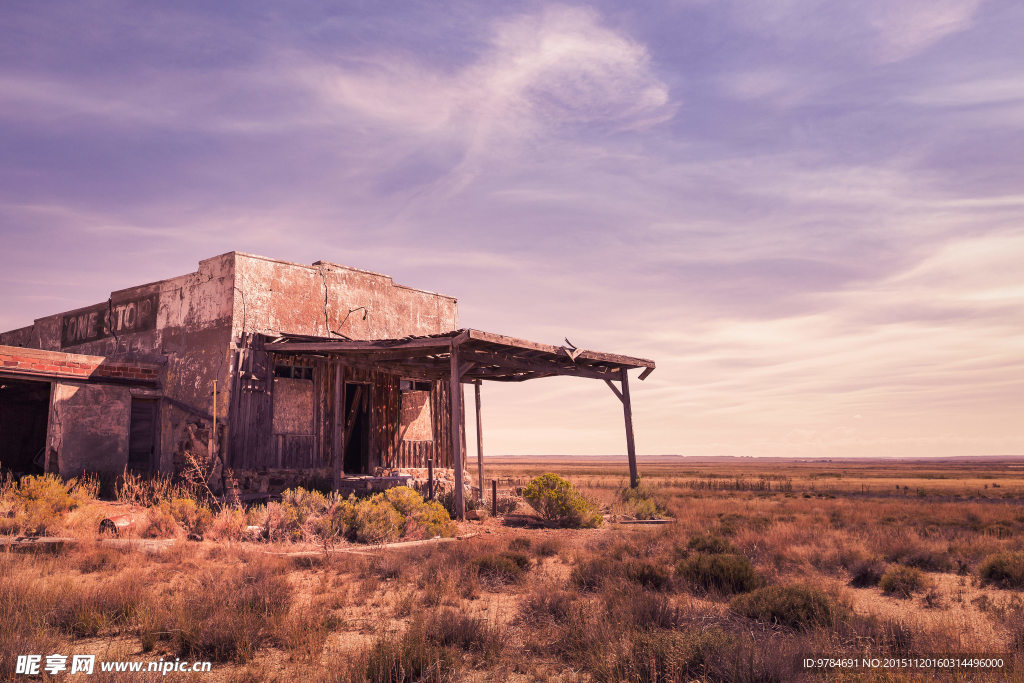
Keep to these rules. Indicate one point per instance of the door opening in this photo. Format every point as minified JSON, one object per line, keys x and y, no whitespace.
{"x":24,"y":414}
{"x":357,"y":421}
{"x":142,"y":435}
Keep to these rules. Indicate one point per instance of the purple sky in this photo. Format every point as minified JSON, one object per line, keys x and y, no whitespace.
{"x":810,"y":214}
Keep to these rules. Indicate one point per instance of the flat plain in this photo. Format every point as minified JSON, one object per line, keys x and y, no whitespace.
{"x":762,"y":564}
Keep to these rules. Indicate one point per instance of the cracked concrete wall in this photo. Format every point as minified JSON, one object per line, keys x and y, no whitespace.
{"x":281,"y":297}
{"x":199,"y":318}
{"x":88,"y":428}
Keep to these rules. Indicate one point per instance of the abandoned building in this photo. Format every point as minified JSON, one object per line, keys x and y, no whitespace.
{"x":277,"y":372}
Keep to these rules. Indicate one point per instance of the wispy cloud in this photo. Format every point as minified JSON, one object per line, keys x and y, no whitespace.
{"x":807,"y":212}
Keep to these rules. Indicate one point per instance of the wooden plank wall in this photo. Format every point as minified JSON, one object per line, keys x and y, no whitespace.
{"x":254,"y":446}
{"x":250,"y":412}
{"x":440,"y":417}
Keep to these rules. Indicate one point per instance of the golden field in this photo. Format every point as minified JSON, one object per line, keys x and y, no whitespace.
{"x":765,"y":563}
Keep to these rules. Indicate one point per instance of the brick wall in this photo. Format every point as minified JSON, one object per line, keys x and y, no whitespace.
{"x":54,"y":364}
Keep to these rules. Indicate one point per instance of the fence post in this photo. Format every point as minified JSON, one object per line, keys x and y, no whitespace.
{"x":494,"y":497}
{"x":430,"y":479}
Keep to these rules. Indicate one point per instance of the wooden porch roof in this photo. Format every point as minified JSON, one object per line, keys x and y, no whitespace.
{"x":481,"y":356}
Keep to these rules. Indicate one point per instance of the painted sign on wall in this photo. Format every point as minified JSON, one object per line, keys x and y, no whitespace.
{"x":109,"y":320}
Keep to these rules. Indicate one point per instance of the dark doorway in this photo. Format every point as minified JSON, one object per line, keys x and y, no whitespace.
{"x":24,"y":413}
{"x":142,"y":435}
{"x":357,"y":418}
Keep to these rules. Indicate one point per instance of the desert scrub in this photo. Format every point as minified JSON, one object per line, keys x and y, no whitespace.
{"x":412,"y":656}
{"x":657,"y":655}
{"x":797,"y":607}
{"x":592,"y":573}
{"x":865,"y":573}
{"x":901,"y":581}
{"x":648,"y":574}
{"x":710,"y":543}
{"x":558,"y":501}
{"x":724,"y":573}
{"x":251,"y":602}
{"x":193,"y":517}
{"x":502,"y":568}
{"x":39,"y":502}
{"x":1005,"y":570}
{"x":642,"y":502}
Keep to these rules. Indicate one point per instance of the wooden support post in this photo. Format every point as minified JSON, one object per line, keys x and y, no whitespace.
{"x":627,"y":412}
{"x":494,"y":497}
{"x":337,"y":434}
{"x":479,"y":443}
{"x":430,"y":479}
{"x":455,"y":398}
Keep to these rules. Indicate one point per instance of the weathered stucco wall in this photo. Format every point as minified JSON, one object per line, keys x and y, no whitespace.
{"x":282,"y":297}
{"x":89,"y":428}
{"x":189,"y":325}
{"x":195,"y":320}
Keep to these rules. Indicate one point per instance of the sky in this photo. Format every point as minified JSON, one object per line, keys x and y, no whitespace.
{"x":810,"y":214}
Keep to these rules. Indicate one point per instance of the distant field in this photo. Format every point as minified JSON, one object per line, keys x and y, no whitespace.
{"x":763,"y":564}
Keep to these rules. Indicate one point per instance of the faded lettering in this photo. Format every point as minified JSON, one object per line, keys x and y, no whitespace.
{"x":103,"y":320}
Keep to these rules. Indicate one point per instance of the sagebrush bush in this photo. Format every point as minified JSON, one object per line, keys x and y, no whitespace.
{"x":865,"y":573}
{"x":399,"y":512}
{"x":38,"y":502}
{"x":546,"y":606}
{"x":1005,"y":570}
{"x":797,"y":607}
{"x":560,"y":502}
{"x":711,"y":544}
{"x":642,"y":502}
{"x":502,"y":568}
{"x":901,"y":581}
{"x":229,"y":525}
{"x":590,"y":574}
{"x":192,"y":516}
{"x":648,"y":574}
{"x":724,"y":573}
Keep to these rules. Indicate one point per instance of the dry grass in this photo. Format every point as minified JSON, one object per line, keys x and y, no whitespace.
{"x":743,"y":583}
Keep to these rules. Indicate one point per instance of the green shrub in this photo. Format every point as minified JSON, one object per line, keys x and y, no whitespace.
{"x":160,"y":523}
{"x":375,"y":520}
{"x":305,"y":504}
{"x":901,"y":580}
{"x":279,"y":522}
{"x":797,"y":607}
{"x":558,"y":501}
{"x":711,"y":544}
{"x":642,"y":502}
{"x":724,"y":573}
{"x":398,"y":512}
{"x":502,"y":568}
{"x":1005,"y":570}
{"x":192,"y":517}
{"x":40,"y":501}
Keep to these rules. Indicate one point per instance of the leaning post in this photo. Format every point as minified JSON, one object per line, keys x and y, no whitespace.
{"x":627,"y":412}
